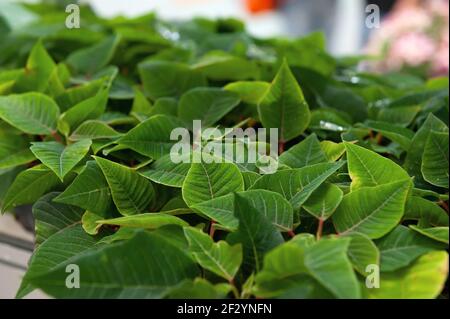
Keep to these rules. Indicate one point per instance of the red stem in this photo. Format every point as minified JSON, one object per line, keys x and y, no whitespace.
{"x":212,"y":229}
{"x":444,"y":205}
{"x":319,"y":228}
{"x":291,"y":233}
{"x":280,"y":147}
{"x":57,"y":137}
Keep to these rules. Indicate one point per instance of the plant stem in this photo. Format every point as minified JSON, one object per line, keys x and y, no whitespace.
{"x":319,"y":229}
{"x":379,"y":138}
{"x":234,"y":289}
{"x":444,"y":205}
{"x":280,"y":147}
{"x":56,"y":136}
{"x":291,"y":233}
{"x":212,"y":229}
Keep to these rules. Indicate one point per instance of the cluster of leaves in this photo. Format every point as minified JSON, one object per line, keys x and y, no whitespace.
{"x":85,"y":135}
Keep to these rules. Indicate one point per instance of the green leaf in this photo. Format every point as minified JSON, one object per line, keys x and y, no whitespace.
{"x":51,"y":217}
{"x":32,"y":113}
{"x":284,"y":106}
{"x":93,"y":130}
{"x":89,"y":190}
{"x":206,"y":104}
{"x":373,"y":211}
{"x":272,"y":205}
{"x":395,"y":133}
{"x":297,"y":185}
{"x":152,"y":137}
{"x":435,"y":159}
{"x":323,"y":201}
{"x":249,"y":92}
{"x":413,"y":160}
{"x":207,"y":181}
{"x":89,"y":109}
{"x":198,"y":289}
{"x":284,"y":275}
{"x":59,"y":158}
{"x":362,"y":252}
{"x":220,"y":66}
{"x":131,"y":192}
{"x":367,"y":168}
{"x":300,"y":272}
{"x":38,"y":71}
{"x":89,"y":222}
{"x":402,"y":246}
{"x":425,"y":211}
{"x":164,"y":171}
{"x":439,"y":234}
{"x":305,"y":153}
{"x":150,"y":275}
{"x":328,"y":263}
{"x":220,"y":258}
{"x":92,"y":59}
{"x":146,"y":221}
{"x":333,"y":151}
{"x":168,"y":79}
{"x":63,"y":246}
{"x":255,"y":232}
{"x":14,"y":150}
{"x":424,"y":279}
{"x":29,"y":186}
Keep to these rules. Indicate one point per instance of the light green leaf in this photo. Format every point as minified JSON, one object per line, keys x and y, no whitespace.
{"x":220,"y":258}
{"x":59,"y":158}
{"x":333,"y":151}
{"x":328,"y":263}
{"x":402,"y":246}
{"x":323,"y":201}
{"x":424,"y":279}
{"x":89,"y":223}
{"x":437,"y":233}
{"x":367,"y":168}
{"x":206,"y":104}
{"x":38,"y":71}
{"x":32,"y":113}
{"x":207,"y":181}
{"x":249,"y":92}
{"x":373,"y":211}
{"x":146,"y":221}
{"x":284,"y":106}
{"x":305,"y":153}
{"x":362,"y":252}
{"x":131,"y":192}
{"x":435,"y":159}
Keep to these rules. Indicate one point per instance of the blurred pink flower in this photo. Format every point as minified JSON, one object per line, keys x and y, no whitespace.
{"x":413,"y":48}
{"x":413,"y":36}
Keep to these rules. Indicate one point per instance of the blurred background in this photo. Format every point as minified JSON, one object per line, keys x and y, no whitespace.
{"x":413,"y":34}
